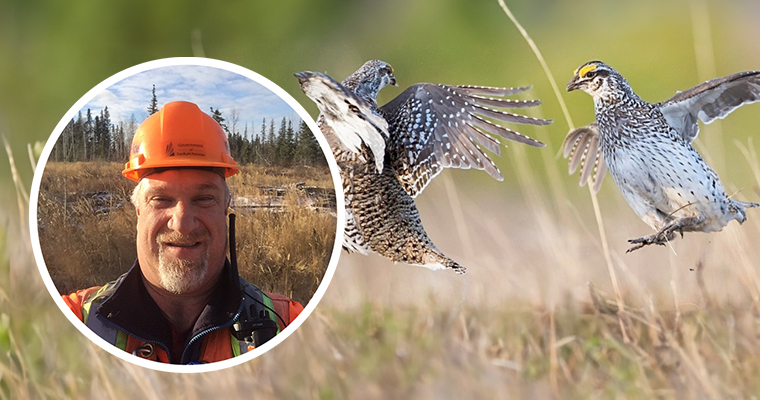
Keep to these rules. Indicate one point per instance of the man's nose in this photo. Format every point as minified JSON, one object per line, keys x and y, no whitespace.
{"x":183,"y":219}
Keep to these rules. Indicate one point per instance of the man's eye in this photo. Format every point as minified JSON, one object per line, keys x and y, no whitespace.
{"x":206,"y":200}
{"x":160,"y":200}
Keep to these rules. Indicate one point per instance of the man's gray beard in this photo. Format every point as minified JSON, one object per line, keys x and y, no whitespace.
{"x":179,"y":275}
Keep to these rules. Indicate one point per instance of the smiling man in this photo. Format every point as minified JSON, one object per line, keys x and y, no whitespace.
{"x":182,"y":302}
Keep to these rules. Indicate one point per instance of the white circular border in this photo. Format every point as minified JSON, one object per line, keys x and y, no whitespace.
{"x":186,"y":61}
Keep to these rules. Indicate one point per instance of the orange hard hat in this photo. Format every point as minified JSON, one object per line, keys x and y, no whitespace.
{"x":179,"y":135}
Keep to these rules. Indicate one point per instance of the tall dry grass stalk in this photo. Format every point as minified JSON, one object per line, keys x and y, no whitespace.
{"x":571,"y":126}
{"x":22,"y":197}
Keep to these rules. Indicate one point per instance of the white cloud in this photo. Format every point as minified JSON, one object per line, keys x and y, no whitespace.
{"x":205,"y":86}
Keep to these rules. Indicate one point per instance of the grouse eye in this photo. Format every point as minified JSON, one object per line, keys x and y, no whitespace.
{"x":591,"y":75}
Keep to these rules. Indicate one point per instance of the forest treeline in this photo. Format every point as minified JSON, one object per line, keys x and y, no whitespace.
{"x":96,"y":137}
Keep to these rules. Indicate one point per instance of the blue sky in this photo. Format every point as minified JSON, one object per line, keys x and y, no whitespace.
{"x":202,"y":85}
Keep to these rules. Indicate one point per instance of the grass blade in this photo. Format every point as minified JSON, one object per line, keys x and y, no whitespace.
{"x":571,"y":126}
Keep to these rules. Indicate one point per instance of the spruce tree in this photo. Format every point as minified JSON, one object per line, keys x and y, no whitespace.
{"x":105,"y":134}
{"x":281,"y":147}
{"x":153,"y":107}
{"x":87,"y":136}
{"x":217,"y":116}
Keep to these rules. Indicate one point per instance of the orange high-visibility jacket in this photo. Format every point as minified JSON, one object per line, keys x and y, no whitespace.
{"x":124,"y":314}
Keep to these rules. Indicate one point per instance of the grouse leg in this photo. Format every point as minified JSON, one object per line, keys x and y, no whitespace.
{"x":665,"y":234}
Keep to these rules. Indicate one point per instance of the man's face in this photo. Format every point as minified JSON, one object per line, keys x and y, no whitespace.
{"x":181,"y":229}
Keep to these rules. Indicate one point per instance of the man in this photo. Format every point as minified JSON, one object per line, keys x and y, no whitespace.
{"x":182,"y":302}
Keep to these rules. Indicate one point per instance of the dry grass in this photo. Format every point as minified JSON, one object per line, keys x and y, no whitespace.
{"x":521,"y":324}
{"x":92,"y":240}
{"x":574,"y":351}
{"x":252,"y":177}
{"x":524,"y":322}
{"x":285,"y":252}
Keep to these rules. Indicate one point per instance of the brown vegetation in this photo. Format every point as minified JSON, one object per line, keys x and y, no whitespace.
{"x":522,"y":323}
{"x":87,"y":228}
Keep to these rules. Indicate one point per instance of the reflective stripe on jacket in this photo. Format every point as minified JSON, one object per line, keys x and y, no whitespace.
{"x":122,"y":313}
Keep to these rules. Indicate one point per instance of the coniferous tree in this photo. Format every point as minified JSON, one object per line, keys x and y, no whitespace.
{"x":118,"y":143}
{"x":308,"y":150}
{"x":302,"y":152}
{"x":153,"y":107}
{"x":217,"y":116}
{"x":269,"y":144}
{"x":281,"y":143}
{"x":104,"y":137}
{"x":96,"y":132}
{"x":96,"y":137}
{"x":79,"y":140}
{"x":263,"y":128}
{"x":245,"y":150}
{"x":290,"y":143}
{"x":260,"y":141}
{"x":87,"y":135}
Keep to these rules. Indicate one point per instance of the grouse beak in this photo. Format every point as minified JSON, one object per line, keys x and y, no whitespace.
{"x":302,"y":77}
{"x":393,"y":81}
{"x":573,"y":84}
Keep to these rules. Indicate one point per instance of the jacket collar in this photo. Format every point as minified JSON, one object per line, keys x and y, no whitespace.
{"x":131,"y":308}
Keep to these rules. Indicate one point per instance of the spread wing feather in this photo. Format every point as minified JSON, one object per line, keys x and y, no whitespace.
{"x":581,"y":147}
{"x":709,"y":101}
{"x":433,"y":127}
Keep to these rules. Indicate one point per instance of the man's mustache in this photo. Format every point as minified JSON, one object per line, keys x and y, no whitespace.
{"x":178,"y":238}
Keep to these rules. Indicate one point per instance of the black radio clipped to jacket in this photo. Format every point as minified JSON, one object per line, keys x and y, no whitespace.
{"x":257,"y":329}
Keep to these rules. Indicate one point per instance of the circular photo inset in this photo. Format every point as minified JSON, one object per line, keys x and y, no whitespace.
{"x":184,"y":215}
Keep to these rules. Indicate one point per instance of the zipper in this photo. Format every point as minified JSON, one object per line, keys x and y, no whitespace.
{"x":209,"y":330}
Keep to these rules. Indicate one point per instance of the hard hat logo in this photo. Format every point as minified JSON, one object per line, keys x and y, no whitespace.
{"x":190,"y":149}
{"x":179,"y":135}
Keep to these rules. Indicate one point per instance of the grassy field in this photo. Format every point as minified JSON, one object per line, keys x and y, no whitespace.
{"x":91,"y":240}
{"x":536,"y":316}
{"x":551,"y":307}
